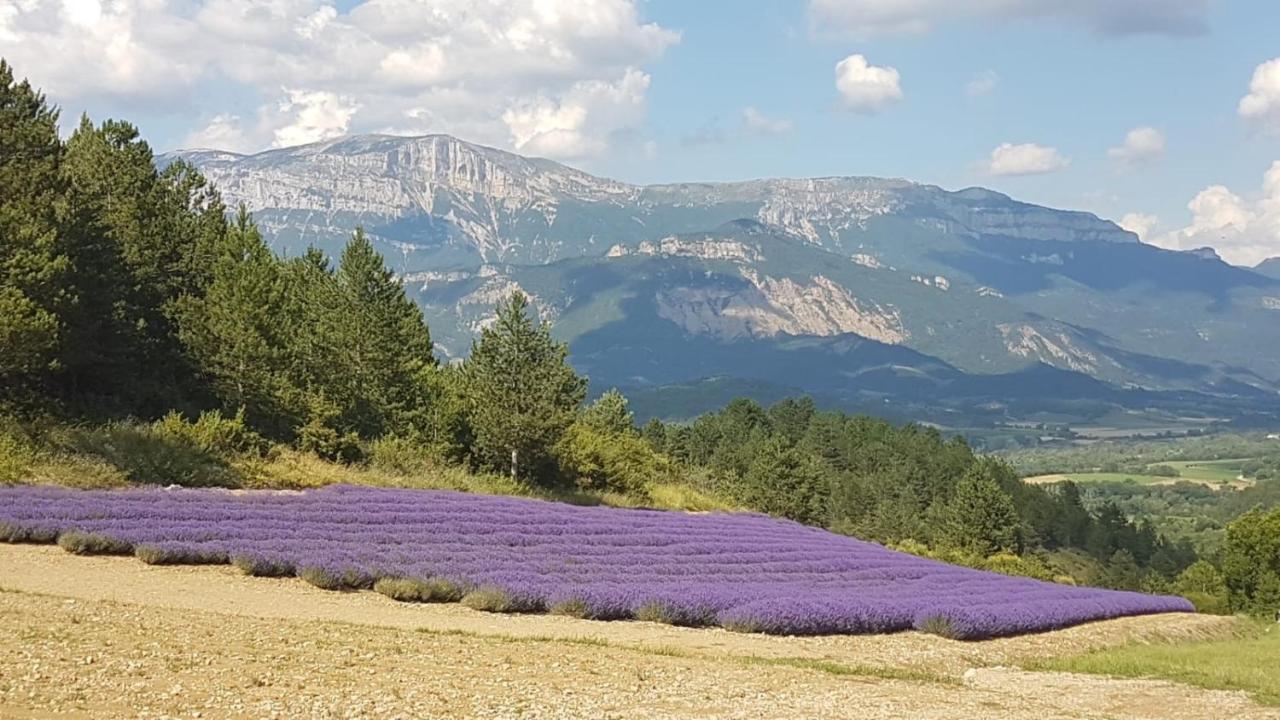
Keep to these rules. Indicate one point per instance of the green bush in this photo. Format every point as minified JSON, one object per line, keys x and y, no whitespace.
{"x":1018,"y":565}
{"x":149,"y":455}
{"x":83,"y":543}
{"x":16,"y":455}
{"x":396,"y":454}
{"x":323,"y":441}
{"x":939,"y":626}
{"x":597,"y":461}
{"x":212,"y":433}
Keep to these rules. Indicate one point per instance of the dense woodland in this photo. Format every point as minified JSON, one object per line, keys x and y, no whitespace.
{"x":147,"y":334}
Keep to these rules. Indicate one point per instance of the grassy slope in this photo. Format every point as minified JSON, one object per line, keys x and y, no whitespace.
{"x":1250,"y":662}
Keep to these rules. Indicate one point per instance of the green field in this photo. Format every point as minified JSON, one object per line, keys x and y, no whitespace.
{"x":1246,"y":663}
{"x":1208,"y":472}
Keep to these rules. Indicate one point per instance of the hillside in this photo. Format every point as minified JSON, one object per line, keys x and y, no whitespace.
{"x":879,"y":287}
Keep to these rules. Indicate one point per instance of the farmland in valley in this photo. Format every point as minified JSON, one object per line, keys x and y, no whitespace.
{"x":741,"y":571}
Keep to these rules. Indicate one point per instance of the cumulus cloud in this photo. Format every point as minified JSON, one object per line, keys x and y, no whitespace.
{"x":1261,"y":107}
{"x":1142,"y":146}
{"x":1243,"y":231}
{"x":984,"y":83}
{"x":754,"y":121}
{"x":1025,"y":159}
{"x":1140,"y":224}
{"x":548,"y":76}
{"x":865,"y":87}
{"x":866,"y":18}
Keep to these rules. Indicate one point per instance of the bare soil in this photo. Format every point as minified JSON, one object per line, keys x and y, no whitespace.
{"x":115,"y":638}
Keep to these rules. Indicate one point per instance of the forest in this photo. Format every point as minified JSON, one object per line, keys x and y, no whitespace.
{"x":150,"y":335}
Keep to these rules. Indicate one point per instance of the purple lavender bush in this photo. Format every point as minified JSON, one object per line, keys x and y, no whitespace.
{"x":737,"y":570}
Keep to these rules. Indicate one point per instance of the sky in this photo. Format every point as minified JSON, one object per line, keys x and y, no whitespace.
{"x":1163,"y":115}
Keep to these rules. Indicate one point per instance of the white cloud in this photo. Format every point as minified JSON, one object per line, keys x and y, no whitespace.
{"x":865,"y":87}
{"x":867,"y":18}
{"x":754,"y":121}
{"x":1261,"y":106}
{"x":223,"y":132}
{"x":316,"y":115}
{"x":1243,"y":231}
{"x":1025,"y":159}
{"x":552,"y":75}
{"x":1142,"y":146}
{"x":984,"y":83}
{"x":1140,"y":224}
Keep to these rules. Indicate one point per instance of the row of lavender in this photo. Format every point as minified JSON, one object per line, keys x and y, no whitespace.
{"x":742,"y":571}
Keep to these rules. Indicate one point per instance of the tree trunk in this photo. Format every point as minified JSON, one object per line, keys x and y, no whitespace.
{"x":514,"y":457}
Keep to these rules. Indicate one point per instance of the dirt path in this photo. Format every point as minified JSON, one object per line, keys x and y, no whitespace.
{"x":112,"y":637}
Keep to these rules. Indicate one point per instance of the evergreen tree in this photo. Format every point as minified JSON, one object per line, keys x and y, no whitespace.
{"x":609,"y":414}
{"x":522,"y":392}
{"x":784,"y":481}
{"x":239,"y":330}
{"x":979,"y":517}
{"x":385,"y":347}
{"x":33,"y":264}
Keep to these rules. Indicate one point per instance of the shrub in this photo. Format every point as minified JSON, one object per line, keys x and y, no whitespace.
{"x":335,"y":579}
{"x":571,"y":608}
{"x":401,"y":455}
{"x":16,"y":456}
{"x":494,"y":599}
{"x":18,"y":534}
{"x":148,"y":455}
{"x":597,"y":461}
{"x":212,"y":433}
{"x":413,"y":590}
{"x":668,"y":614}
{"x":82,"y":543}
{"x":165,"y":555}
{"x":1018,"y":565}
{"x":260,"y":566}
{"x":318,"y":438}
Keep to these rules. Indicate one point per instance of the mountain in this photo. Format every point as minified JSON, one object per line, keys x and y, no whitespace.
{"x":855,"y":288}
{"x":1269,"y":267}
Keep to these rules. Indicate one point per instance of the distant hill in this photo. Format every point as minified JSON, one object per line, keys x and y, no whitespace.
{"x":862,"y":289}
{"x":1269,"y":267}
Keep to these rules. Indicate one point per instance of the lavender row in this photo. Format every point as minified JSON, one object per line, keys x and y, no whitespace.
{"x":739,"y":570}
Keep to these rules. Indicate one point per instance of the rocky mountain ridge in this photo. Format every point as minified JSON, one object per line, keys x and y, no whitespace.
{"x":829,"y":273}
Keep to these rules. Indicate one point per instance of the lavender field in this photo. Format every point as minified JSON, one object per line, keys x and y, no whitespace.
{"x":741,"y":571}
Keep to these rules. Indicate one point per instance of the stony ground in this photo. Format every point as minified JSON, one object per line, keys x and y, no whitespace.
{"x":112,"y":637}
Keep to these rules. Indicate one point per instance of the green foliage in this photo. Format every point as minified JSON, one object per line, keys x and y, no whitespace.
{"x":212,"y":433}
{"x":979,"y":517}
{"x":609,"y":415}
{"x":522,"y":393}
{"x":1251,"y":562}
{"x":16,"y":455}
{"x":33,"y":260}
{"x":595,"y":460}
{"x":785,"y":481}
{"x":146,"y":454}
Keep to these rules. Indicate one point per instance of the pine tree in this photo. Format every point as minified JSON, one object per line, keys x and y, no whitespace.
{"x":385,"y":346}
{"x":522,"y":392}
{"x":979,"y":517}
{"x":33,"y":263}
{"x":784,"y":481}
{"x":239,"y":330}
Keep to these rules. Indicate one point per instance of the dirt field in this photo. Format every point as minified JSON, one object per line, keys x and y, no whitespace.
{"x":112,"y":637}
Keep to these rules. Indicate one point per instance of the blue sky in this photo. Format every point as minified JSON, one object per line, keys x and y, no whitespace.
{"x":658,"y":91}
